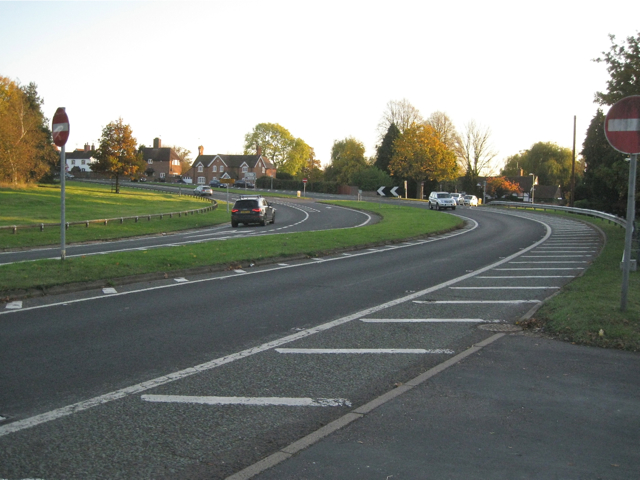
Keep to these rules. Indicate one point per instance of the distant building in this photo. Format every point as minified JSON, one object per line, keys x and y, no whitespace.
{"x":220,"y":166}
{"x":163,"y":163}
{"x":81,"y":158}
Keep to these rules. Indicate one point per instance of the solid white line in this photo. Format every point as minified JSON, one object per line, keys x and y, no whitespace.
{"x":473,"y":301}
{"x":529,"y":276}
{"x":538,"y":268}
{"x":422,"y":320}
{"x":501,"y":288}
{"x":553,"y":256}
{"x":555,"y":261}
{"x":358,"y":351}
{"x":256,"y":401}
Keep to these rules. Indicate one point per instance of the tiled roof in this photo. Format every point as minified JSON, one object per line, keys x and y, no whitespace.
{"x":235,"y":161}
{"x":79,"y":155}
{"x":163,"y":154}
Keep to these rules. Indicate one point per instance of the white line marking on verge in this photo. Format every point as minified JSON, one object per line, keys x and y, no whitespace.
{"x":425,"y":320}
{"x":109,"y":291}
{"x":181,"y":280}
{"x":14,"y":305}
{"x":238,"y":270}
{"x":257,"y":401}
{"x":360,"y":351}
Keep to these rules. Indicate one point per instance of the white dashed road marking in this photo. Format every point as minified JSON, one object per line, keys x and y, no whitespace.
{"x":258,"y":401}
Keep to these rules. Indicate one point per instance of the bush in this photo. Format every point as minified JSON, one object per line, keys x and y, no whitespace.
{"x":371,"y":179}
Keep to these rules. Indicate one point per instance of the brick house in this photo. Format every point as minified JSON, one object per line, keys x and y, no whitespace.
{"x":81,"y":158}
{"x":249,"y":167}
{"x":162,"y":162}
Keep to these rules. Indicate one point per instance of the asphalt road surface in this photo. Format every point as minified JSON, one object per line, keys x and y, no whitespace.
{"x":201,"y":377}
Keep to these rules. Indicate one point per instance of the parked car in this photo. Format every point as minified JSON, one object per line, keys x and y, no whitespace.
{"x":215,"y":183}
{"x":143,"y":179}
{"x":203,"y":190}
{"x":458,"y":197}
{"x":252,"y":209}
{"x":440,"y":200}
{"x":471,"y":200}
{"x":243,"y":184}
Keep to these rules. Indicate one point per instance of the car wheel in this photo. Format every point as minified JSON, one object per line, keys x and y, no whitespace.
{"x":263,"y":222}
{"x":234,"y":224}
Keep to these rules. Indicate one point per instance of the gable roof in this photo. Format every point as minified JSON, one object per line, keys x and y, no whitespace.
{"x":79,"y":155}
{"x":163,"y":154}
{"x":234,"y":161}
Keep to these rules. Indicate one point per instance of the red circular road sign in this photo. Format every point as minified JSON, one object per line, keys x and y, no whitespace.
{"x":304,"y":180}
{"x":60,"y":128}
{"x":622,"y":125}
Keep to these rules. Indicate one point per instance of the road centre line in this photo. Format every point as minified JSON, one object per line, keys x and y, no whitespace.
{"x":427,"y":320}
{"x":136,"y":389}
{"x":257,"y":401}
{"x":360,"y":351}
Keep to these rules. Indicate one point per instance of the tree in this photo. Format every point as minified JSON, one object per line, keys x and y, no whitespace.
{"x":421,"y":156}
{"x":475,"y":150}
{"x":607,"y":172}
{"x":117,"y":154}
{"x":185,"y":158}
{"x":347,"y":158}
{"x":623,"y":65}
{"x":26,"y":149}
{"x":548,"y":161}
{"x":401,"y":113}
{"x":371,"y":178}
{"x":500,"y":186}
{"x":445,"y":129}
{"x":286,"y":152}
{"x":312,"y":169}
{"x":384,"y":152}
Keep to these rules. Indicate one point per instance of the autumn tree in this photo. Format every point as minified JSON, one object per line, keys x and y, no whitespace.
{"x":26,"y":149}
{"x":117,"y":154}
{"x":347,"y":158}
{"x":547,"y":161}
{"x":421,"y":156}
{"x":312,"y":169}
{"x":287,"y":153}
{"x":500,"y":186}
{"x":401,"y":113}
{"x":623,"y":65}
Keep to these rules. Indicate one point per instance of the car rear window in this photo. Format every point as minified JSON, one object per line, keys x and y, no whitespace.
{"x":246,"y":204}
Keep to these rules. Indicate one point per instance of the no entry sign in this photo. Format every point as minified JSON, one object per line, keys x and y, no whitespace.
{"x":622,"y":125}
{"x":60,"y":128}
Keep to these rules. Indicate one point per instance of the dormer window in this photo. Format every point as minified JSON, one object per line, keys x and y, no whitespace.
{"x":150,"y":161}
{"x":245,"y":169}
{"x":200,"y":169}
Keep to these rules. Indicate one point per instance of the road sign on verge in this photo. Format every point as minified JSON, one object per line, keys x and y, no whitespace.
{"x":228,"y":180}
{"x":386,"y":191}
{"x":60,"y":127}
{"x":622,"y":125}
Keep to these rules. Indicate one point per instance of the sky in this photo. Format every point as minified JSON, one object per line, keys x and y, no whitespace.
{"x":206,"y":73}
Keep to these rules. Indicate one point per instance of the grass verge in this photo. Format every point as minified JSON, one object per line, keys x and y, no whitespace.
{"x":587,"y":310}
{"x":398,"y":223}
{"x":84,"y":201}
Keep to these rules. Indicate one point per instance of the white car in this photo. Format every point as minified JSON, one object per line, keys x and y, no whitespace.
{"x":440,"y":200}
{"x":471,"y":200}
{"x":458,"y":197}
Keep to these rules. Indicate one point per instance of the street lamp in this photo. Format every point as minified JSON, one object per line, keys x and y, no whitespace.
{"x":484,"y":191}
{"x":533,"y":186}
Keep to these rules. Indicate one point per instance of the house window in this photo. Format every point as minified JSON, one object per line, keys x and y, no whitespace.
{"x":263,"y":170}
{"x":214,"y":169}
{"x":161,"y":174}
{"x":83,"y":162}
{"x":73,"y":162}
{"x":245,"y":169}
{"x":150,"y":161}
{"x":221,"y":169}
{"x":176,"y":162}
{"x":202,"y":180}
{"x":200,"y":169}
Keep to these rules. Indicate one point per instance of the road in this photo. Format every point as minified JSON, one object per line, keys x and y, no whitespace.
{"x":291,"y":216}
{"x":201,"y":377}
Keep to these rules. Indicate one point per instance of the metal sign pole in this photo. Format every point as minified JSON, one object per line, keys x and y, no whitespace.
{"x":631,"y":216}
{"x":63,"y":174}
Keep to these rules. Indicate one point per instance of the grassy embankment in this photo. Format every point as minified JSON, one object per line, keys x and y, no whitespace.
{"x":83,"y":201}
{"x":398,"y":222}
{"x":587,"y":311}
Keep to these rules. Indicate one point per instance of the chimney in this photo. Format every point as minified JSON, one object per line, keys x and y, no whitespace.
{"x":258,"y":150}
{"x":86,"y":147}
{"x":200,"y":150}
{"x":93,"y":147}
{"x":157,"y":143}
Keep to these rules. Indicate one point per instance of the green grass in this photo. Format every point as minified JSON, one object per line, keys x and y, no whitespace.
{"x":591,"y":303}
{"x":398,"y":222}
{"x":41,"y":204}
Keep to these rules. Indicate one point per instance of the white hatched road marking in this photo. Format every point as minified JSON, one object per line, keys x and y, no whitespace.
{"x":501,"y":288}
{"x":428,"y":302}
{"x":539,"y":268}
{"x":109,"y":291}
{"x":256,"y":401}
{"x":14,"y":305}
{"x":360,"y":351}
{"x":181,"y":280}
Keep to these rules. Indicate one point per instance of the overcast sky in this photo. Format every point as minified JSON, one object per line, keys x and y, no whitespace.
{"x":205,"y":73}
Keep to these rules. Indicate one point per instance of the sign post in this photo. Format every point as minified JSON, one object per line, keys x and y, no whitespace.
{"x":622,"y":129}
{"x":304,"y":187}
{"x":60,"y":133}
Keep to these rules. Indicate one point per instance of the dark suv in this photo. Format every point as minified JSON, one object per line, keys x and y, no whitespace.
{"x":252,"y":209}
